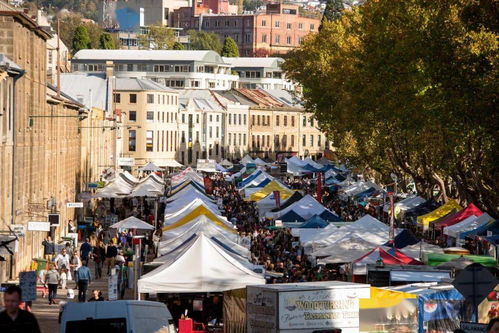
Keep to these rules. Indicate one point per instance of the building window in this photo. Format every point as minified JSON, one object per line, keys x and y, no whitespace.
{"x":304,"y":140}
{"x":288,"y":26}
{"x":277,"y":120}
{"x":292,"y":140}
{"x":277,"y":39}
{"x":288,"y":40}
{"x":300,"y":40}
{"x":239,"y":119}
{"x":264,"y":38}
{"x":258,"y":120}
{"x":284,"y":141}
{"x":319,"y":141}
{"x":197,"y":119}
{"x":244,"y":119}
{"x":117,"y":98}
{"x":253,"y":120}
{"x":244,"y":139}
{"x":182,"y":138}
{"x":218,"y":118}
{"x":210,"y":132}
{"x":149,"y":140}
{"x":268,"y":120}
{"x":230,"y":119}
{"x":292,"y":121}
{"x":132,"y":140}
{"x":150,"y":98}
{"x":150,"y":116}
{"x":277,"y":24}
{"x":312,"y":27}
{"x":133,"y":98}
{"x":230,"y":137}
{"x":247,"y":38}
{"x":183,"y":118}
{"x":304,"y":121}
{"x":276,"y":141}
{"x":311,"y":140}
{"x":285,"y":120}
{"x":132,"y":115}
{"x":264,"y":23}
{"x":129,"y":67}
{"x":216,"y":132}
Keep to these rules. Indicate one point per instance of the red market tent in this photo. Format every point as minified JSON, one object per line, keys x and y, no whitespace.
{"x":403,"y":257}
{"x":459,"y":216}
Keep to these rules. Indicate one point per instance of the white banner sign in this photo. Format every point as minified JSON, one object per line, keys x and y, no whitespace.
{"x":112,"y":287}
{"x":321,"y":309}
{"x":74,"y":205}
{"x":38,"y":226}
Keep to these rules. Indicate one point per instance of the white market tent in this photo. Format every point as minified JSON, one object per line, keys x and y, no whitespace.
{"x":187,"y":209}
{"x":295,"y":166}
{"x":226,"y":163}
{"x":470,"y":223}
{"x":404,"y":205}
{"x":150,"y":167}
{"x":356,"y":188}
{"x":342,"y":247}
{"x":117,"y":188}
{"x":201,"y":267}
{"x":246,"y":160}
{"x":313,"y":163}
{"x":258,"y":161}
{"x":171,"y":164}
{"x":186,"y":199}
{"x":128,"y":177}
{"x":418,"y":250}
{"x":268,"y":203}
{"x":132,"y":223}
{"x":197,"y":225}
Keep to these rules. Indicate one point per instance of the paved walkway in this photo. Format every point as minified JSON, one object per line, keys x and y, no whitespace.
{"x":48,"y":315}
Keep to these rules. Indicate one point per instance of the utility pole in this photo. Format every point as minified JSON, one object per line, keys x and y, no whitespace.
{"x":58,"y":59}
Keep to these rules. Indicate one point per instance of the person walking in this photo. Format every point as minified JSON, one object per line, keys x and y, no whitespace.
{"x":13,"y":319}
{"x":62,"y":259}
{"x":75,"y":265}
{"x":99,"y":255}
{"x":85,"y":249}
{"x":111,"y":253}
{"x":52,"y":279}
{"x":83,"y":279}
{"x":48,"y":248}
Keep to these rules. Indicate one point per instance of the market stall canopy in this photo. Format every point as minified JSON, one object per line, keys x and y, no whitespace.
{"x":202,"y":267}
{"x":206,"y":165}
{"x":171,"y":164}
{"x":132,"y":223}
{"x":492,"y":227}
{"x":470,"y":223}
{"x":150,"y":167}
{"x":449,"y":207}
{"x":434,"y":259}
{"x":258,"y":161}
{"x":226,"y":163}
{"x":306,"y":207}
{"x":403,"y":239}
{"x":421,"y":209}
{"x":419,"y":250}
{"x":268,"y":189}
{"x":315,"y":222}
{"x":291,"y":216}
{"x":198,"y":225}
{"x":346,"y":250}
{"x":246,"y":160}
{"x":294,"y":198}
{"x":372,"y":257}
{"x":451,"y":219}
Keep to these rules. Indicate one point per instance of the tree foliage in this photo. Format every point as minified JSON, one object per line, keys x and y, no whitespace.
{"x":230,"y":48}
{"x":106,"y":41}
{"x":410,"y":87}
{"x":202,"y":40}
{"x":158,"y":37}
{"x":178,"y":46}
{"x":252,"y":5}
{"x":68,"y":23}
{"x":333,"y":10}
{"x":81,"y":39}
{"x":86,"y":8}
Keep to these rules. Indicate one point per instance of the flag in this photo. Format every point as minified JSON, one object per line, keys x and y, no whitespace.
{"x":208,"y":185}
{"x":277,"y":197}
{"x":319,"y":187}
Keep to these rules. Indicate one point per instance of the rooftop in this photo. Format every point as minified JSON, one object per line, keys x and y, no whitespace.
{"x":90,"y":89}
{"x":134,"y":84}
{"x":203,"y":99}
{"x":149,"y":55}
{"x":247,"y":62}
{"x":8,"y":64}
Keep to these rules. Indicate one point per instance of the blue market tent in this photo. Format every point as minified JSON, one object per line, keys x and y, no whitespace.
{"x":315,"y":222}
{"x":220,"y":168}
{"x":292,"y":199}
{"x":329,"y":217}
{"x":249,"y":179}
{"x":482,"y":230}
{"x":403,"y":239}
{"x":261,"y":184}
{"x":439,"y":308}
{"x":367,"y":193}
{"x":425,"y":207}
{"x":291,"y":216}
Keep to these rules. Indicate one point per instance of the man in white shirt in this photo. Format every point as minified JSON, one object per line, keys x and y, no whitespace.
{"x":62,"y":259}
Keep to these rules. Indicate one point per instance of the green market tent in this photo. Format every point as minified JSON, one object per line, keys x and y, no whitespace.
{"x":435,"y":259}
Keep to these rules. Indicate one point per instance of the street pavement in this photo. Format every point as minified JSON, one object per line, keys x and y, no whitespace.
{"x":48,"y":315}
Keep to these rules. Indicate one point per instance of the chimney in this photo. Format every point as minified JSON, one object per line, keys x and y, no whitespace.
{"x":109,"y":69}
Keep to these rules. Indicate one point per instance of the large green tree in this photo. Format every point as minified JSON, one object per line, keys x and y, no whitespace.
{"x":202,"y":40}
{"x":81,"y":40}
{"x":158,"y":37}
{"x":410,"y":87}
{"x":106,"y":41}
{"x":230,"y":48}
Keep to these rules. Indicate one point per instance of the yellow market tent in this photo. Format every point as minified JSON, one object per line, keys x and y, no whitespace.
{"x":449,"y":207}
{"x":268,"y":189}
{"x":198,"y":211}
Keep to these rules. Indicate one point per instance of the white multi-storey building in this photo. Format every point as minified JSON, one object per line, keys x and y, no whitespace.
{"x":185,"y":69}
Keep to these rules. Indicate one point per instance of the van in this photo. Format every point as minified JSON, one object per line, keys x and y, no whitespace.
{"x":116,"y":317}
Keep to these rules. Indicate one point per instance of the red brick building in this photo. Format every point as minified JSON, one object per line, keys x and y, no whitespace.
{"x":277,"y":30}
